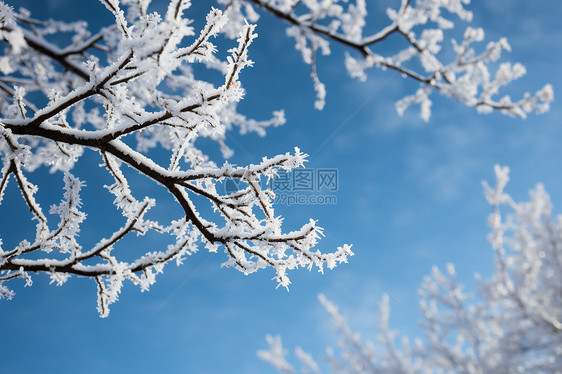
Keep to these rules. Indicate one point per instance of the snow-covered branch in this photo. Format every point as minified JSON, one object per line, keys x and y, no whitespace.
{"x":418,"y":30}
{"x":57,"y":102}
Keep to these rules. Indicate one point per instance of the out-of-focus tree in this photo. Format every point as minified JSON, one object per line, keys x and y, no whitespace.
{"x":512,"y":325}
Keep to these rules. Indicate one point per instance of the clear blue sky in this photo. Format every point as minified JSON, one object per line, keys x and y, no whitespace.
{"x":409,"y":197}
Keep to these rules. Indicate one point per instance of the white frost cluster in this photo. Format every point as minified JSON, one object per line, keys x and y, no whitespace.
{"x":11,"y":33}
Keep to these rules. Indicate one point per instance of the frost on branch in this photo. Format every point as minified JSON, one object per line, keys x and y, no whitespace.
{"x":123,"y":92}
{"x":417,"y":29}
{"x":513,"y":325}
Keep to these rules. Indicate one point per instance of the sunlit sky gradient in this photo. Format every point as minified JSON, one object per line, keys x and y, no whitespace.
{"x":409,"y":197}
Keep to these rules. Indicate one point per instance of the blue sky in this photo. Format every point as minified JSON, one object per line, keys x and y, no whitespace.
{"x":409,"y":197}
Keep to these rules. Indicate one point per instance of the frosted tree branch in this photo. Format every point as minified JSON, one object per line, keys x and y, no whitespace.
{"x":147,"y":96}
{"x":418,"y":28}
